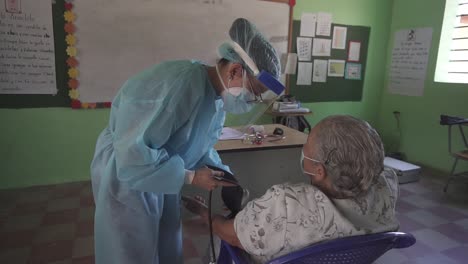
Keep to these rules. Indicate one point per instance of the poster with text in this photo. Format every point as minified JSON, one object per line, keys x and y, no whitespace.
{"x":409,"y":61}
{"x":27,"y":54}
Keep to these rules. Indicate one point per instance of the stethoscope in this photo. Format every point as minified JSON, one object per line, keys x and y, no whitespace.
{"x":228,"y":177}
{"x":210,"y":224}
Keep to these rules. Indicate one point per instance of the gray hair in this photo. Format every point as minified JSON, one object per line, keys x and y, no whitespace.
{"x":352,"y":152}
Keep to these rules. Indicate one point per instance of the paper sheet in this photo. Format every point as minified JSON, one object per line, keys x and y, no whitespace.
{"x":336,"y":68}
{"x":322,"y":47}
{"x":324,"y":21}
{"x":339,"y":37}
{"x":354,"y":51}
{"x":308,"y":24}
{"x":320,"y":71}
{"x":230,"y":133}
{"x":304,"y":48}
{"x":304,"y":73}
{"x":410,"y":56}
{"x":353,"y":71}
{"x":291,"y":64}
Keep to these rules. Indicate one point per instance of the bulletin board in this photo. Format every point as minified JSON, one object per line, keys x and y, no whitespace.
{"x":335,"y":89}
{"x":61,"y":99}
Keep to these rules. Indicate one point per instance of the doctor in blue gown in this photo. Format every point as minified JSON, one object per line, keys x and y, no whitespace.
{"x":162,"y":128}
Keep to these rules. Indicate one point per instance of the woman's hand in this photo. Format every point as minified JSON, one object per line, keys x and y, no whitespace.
{"x":204,"y":178}
{"x":196,"y":205}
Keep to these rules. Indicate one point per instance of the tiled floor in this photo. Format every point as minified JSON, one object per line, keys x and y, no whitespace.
{"x":54,"y":224}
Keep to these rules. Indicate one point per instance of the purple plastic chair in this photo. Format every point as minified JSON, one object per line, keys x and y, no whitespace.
{"x":364,"y":249}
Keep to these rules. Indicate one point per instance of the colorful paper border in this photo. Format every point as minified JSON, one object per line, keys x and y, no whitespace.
{"x":72,"y":61}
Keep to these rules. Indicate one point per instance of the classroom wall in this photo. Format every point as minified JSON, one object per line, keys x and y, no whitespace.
{"x":423,"y":140}
{"x":45,"y":146}
{"x":54,"y":145}
{"x":372,"y":13}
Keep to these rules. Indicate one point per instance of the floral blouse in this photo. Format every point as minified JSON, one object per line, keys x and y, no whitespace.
{"x":291,"y":216}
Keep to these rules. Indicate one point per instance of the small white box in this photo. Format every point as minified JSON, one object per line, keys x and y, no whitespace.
{"x":406,"y":172}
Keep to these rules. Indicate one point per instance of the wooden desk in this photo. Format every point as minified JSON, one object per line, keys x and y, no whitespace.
{"x":293,"y":139}
{"x":258,"y":167}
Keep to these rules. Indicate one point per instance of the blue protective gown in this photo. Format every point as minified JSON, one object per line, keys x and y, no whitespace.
{"x":163,"y":121}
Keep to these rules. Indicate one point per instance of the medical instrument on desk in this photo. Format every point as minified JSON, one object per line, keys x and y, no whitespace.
{"x":253,"y":139}
{"x":256,"y":128}
{"x":259,"y":138}
{"x":278,"y":131}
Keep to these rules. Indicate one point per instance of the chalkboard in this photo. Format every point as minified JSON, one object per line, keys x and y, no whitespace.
{"x":336,"y":88}
{"x":61,"y":99}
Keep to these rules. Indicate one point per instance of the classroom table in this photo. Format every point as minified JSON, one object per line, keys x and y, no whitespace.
{"x":258,"y":167}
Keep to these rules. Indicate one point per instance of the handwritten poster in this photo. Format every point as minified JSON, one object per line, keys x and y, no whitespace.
{"x":409,"y":61}
{"x":27,"y":61}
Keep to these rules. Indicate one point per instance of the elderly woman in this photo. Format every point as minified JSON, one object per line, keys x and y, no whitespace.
{"x":348,"y":193}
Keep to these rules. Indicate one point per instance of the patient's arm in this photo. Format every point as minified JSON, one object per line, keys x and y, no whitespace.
{"x":224,"y":228}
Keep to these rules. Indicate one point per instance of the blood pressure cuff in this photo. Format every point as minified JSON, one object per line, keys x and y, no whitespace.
{"x":232,"y":196}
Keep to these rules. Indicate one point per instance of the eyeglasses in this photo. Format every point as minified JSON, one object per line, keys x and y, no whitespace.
{"x":258,"y":98}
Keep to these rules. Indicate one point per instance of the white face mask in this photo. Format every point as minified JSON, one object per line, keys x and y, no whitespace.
{"x":302,"y":164}
{"x":236,"y":99}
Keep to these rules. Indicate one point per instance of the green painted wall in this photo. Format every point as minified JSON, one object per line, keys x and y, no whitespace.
{"x":377,"y":15}
{"x":43,"y":146}
{"x":423,"y":140}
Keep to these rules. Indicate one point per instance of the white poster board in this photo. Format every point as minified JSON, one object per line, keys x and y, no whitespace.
{"x":410,"y":55}
{"x":118,"y":38}
{"x":27,"y":53}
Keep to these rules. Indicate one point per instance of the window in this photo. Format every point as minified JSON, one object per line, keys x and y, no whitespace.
{"x":452,"y":59}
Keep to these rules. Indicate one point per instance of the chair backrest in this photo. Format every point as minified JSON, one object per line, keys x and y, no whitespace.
{"x":350,"y":250}
{"x":450,"y":121}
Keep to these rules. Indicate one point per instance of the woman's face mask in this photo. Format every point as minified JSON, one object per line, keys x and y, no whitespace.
{"x":236,"y":99}
{"x":302,"y":163}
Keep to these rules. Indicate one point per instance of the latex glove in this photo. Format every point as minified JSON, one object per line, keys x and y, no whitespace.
{"x":204,"y":179}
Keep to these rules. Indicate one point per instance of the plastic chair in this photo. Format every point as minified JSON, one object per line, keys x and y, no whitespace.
{"x":364,"y":249}
{"x":462,"y":154}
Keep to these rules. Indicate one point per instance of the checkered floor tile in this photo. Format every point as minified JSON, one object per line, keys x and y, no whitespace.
{"x":54,"y":224}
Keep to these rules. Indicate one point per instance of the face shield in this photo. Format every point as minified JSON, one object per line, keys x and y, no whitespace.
{"x":265,"y":87}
